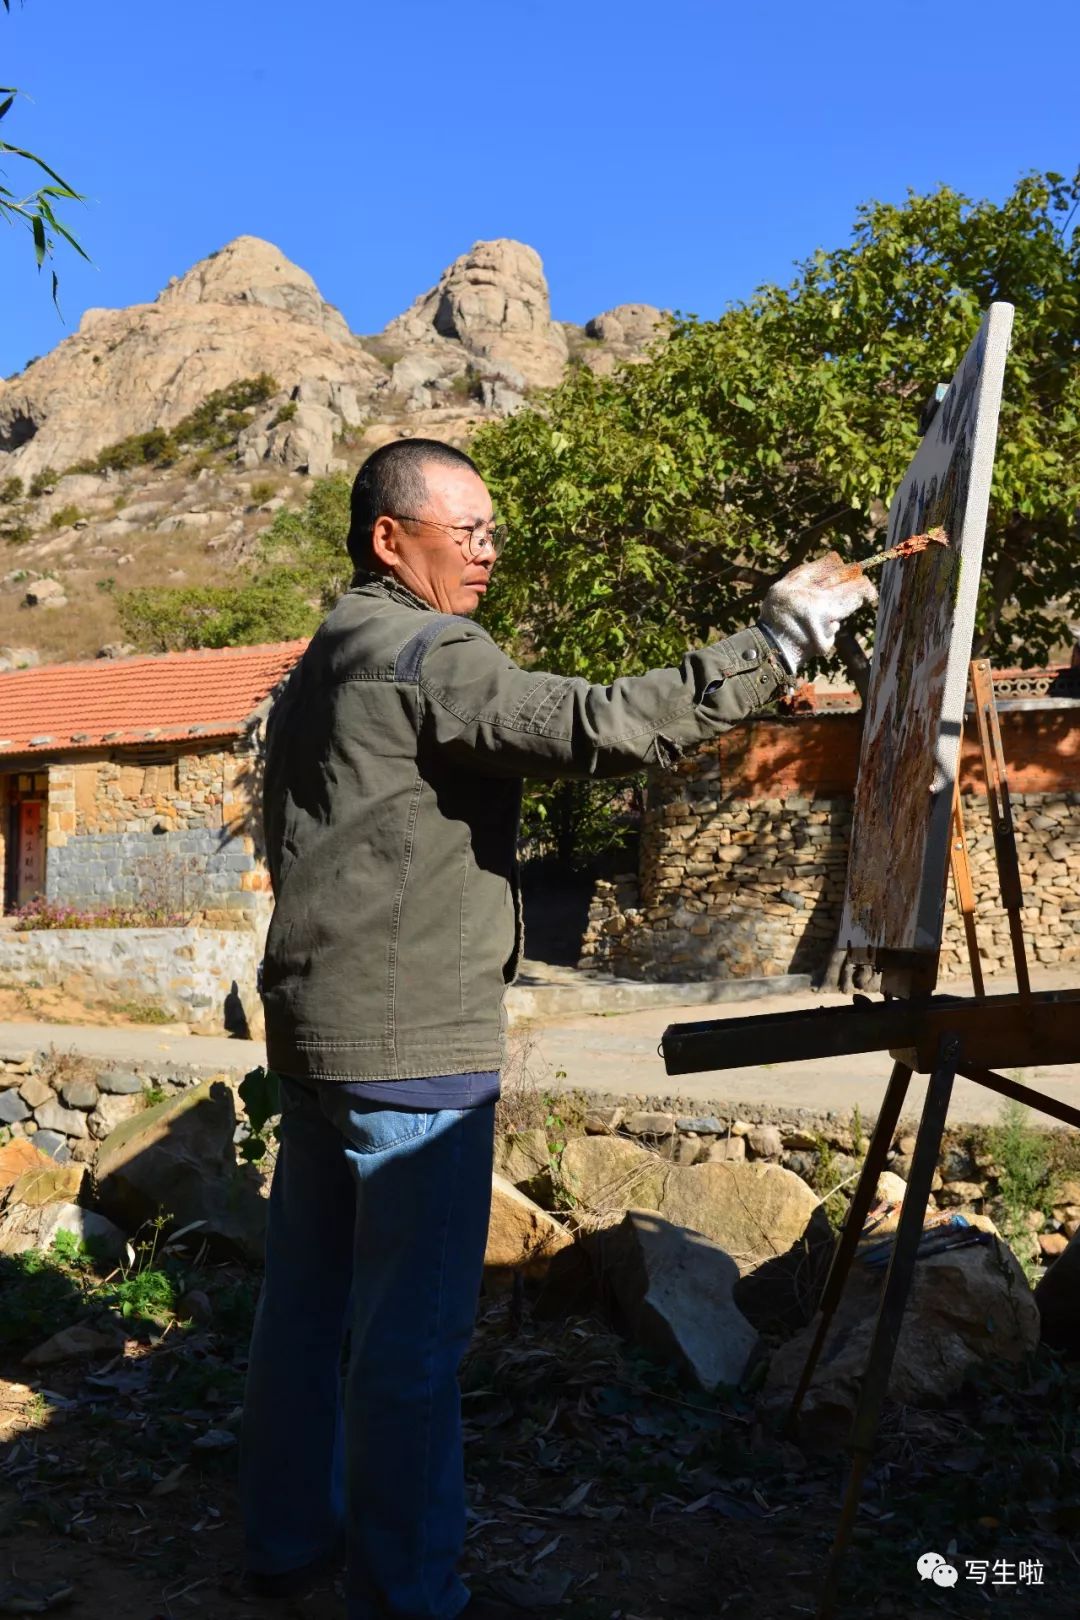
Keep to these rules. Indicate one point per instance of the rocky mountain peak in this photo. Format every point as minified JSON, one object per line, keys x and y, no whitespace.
{"x":248,"y":270}
{"x":493,"y":301}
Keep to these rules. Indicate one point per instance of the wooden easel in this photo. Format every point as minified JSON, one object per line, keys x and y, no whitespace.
{"x":945,"y":1036}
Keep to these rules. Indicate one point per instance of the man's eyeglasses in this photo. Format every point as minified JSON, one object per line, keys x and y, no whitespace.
{"x":480,"y":535}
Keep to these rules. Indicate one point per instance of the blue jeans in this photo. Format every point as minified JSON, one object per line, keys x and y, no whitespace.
{"x":377,"y":1229}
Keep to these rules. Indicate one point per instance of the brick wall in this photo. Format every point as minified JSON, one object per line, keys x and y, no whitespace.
{"x":744,"y":854}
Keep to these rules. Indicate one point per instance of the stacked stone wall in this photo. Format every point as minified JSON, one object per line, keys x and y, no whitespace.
{"x":733,"y":883}
{"x":175,"y":835}
{"x":202,"y":977}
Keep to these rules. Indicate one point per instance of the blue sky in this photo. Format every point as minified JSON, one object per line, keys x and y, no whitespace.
{"x":678,"y":154}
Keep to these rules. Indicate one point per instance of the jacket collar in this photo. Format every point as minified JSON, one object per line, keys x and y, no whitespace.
{"x":389,"y":585}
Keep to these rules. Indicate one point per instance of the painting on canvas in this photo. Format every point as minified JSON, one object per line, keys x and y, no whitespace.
{"x":926,"y":619}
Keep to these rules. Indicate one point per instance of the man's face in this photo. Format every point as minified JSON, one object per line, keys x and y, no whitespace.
{"x":431,"y":555}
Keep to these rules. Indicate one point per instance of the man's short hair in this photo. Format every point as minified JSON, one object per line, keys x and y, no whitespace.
{"x":391,"y":482}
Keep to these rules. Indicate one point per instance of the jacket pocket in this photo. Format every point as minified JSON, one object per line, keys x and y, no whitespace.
{"x":488,"y":938}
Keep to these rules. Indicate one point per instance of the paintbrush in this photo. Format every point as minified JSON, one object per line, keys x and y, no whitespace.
{"x":906,"y":548}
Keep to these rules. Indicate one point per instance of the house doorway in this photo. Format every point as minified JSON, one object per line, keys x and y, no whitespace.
{"x":28,"y":798}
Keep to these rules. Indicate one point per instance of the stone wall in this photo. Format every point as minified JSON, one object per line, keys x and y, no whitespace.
{"x":199,"y":976}
{"x":175,"y":835}
{"x":735,"y":881}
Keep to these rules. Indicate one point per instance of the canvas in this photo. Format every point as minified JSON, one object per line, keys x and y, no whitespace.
{"x":899,"y":857}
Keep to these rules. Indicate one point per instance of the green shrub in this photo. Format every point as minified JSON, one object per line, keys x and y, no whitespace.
{"x":16,"y":532}
{"x":263,"y":489}
{"x":42,"y":480}
{"x":63,"y":518}
{"x":215,"y":615}
{"x":11,"y":490}
{"x":285,"y":414}
{"x":154,"y":448}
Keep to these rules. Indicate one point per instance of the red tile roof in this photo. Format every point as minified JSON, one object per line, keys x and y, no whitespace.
{"x":122,"y":701}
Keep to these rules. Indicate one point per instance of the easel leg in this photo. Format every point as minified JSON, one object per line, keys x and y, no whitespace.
{"x":874,"y":1164}
{"x":890,"y":1317}
{"x":997,"y":788}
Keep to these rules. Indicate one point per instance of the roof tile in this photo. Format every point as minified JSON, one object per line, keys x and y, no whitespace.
{"x":205,"y":694}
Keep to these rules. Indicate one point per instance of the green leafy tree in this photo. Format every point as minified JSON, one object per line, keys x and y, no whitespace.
{"x":35,"y":209}
{"x":651,"y":509}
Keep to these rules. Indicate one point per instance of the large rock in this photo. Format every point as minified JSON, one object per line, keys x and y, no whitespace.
{"x":177,"y":1159}
{"x":629,"y":326}
{"x":522,"y":1237}
{"x":241,"y":311}
{"x":493,"y":301}
{"x":754,"y":1211}
{"x":674,"y":1289}
{"x":28,"y":1226}
{"x":607,"y":1173}
{"x":966,"y":1306}
{"x":524,"y":1158}
{"x":17,"y":1157}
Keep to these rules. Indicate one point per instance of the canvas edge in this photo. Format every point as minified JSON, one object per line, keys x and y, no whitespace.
{"x":998,"y":323}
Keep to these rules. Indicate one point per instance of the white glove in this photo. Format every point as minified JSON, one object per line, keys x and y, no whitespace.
{"x":803,"y":611}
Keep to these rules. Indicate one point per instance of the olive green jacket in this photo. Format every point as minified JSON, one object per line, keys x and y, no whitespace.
{"x":395,"y":758}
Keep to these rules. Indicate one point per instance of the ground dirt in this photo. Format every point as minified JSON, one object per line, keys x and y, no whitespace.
{"x":598,"y":1487}
{"x":53,"y":1004}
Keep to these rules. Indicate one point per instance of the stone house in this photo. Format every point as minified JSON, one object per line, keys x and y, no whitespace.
{"x":135,"y":782}
{"x":744,"y":845}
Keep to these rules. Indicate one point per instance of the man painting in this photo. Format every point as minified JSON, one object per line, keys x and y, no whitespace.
{"x":394,"y":769}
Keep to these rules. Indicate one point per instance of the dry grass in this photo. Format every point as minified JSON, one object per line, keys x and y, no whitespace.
{"x":58,"y":1068}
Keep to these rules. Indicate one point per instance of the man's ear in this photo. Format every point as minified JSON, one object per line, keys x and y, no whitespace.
{"x":384,"y":547}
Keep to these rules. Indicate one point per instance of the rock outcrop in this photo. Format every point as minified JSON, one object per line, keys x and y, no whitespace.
{"x":240,"y":312}
{"x":492,"y":306}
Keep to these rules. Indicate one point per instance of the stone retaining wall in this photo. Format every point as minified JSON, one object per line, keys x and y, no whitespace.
{"x":734,"y":883}
{"x":199,"y":976}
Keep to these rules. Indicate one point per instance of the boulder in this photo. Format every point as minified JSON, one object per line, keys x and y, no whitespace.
{"x":120,"y":1082}
{"x":34,"y":1091}
{"x":46,"y":1183}
{"x":17,"y":1157}
{"x":725,"y":1150}
{"x":524,"y":1158}
{"x":110,"y":1112}
{"x":12,"y":1108}
{"x":81,"y":1094}
{"x":629,"y":326}
{"x":46,"y":593}
{"x":754,"y":1211}
{"x":53,"y":1116}
{"x":764,"y":1142}
{"x":522,"y":1237}
{"x":966,"y":1306}
{"x":647,"y":1124}
{"x":178,"y":1159}
{"x":674,"y":1290}
{"x":891,"y":1188}
{"x":54,"y":1144}
{"x":606,"y":1173}
{"x":26,"y":1226}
